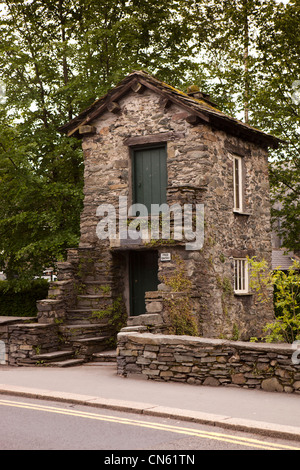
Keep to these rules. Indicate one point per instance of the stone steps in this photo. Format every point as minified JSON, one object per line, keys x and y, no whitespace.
{"x":98,"y":287}
{"x":105,"y":356}
{"x":83,"y":330}
{"x":98,"y":277}
{"x":67,"y":338}
{"x":86,"y":338}
{"x":51,"y":356}
{"x":87,"y":347}
{"x":67,"y":363}
{"x":96,"y":302}
{"x":78,"y":331}
{"x":83,"y":316}
{"x":64,"y":358}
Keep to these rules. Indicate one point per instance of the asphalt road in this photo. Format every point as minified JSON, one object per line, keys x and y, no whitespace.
{"x":31,"y":424}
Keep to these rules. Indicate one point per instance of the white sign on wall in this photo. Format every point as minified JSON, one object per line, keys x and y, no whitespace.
{"x":165,"y":256}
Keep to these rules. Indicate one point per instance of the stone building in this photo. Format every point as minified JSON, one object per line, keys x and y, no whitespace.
{"x":148,"y":143}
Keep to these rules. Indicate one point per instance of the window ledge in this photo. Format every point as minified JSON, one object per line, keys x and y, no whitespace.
{"x":243,"y":294}
{"x":241,"y":212}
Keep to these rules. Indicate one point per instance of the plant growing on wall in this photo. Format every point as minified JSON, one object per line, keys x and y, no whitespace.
{"x":286,"y":298}
{"x":115,"y":315}
{"x":180,"y":307}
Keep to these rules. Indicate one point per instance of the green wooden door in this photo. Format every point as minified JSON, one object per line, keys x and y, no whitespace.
{"x":150,"y":176}
{"x":143,"y":270}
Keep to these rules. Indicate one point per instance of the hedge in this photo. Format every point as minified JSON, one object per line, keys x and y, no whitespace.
{"x":23,"y":302}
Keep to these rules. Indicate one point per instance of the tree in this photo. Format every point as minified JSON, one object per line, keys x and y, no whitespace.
{"x":249,"y":62}
{"x":56,"y":58}
{"x":225,"y":35}
{"x":277,"y":110}
{"x":39,"y":206}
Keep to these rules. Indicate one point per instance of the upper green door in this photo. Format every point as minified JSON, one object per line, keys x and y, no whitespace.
{"x":150,"y":176}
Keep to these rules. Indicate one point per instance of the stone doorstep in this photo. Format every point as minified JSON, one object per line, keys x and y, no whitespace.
{"x":99,"y":282}
{"x":137,"y":329}
{"x":99,"y":295}
{"x":151,"y":319}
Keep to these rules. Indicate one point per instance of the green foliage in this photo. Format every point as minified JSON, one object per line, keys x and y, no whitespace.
{"x":249,"y":62}
{"x":115,"y":315}
{"x":178,"y":281}
{"x":235,"y":332}
{"x":180,"y":307}
{"x":225,"y":285}
{"x":228,"y":40}
{"x":56,"y":58}
{"x":180,"y":316}
{"x":261,"y":279}
{"x":285,"y":196}
{"x":21,"y":301}
{"x":277,"y":111}
{"x":286,"y":325}
{"x":40,"y":170}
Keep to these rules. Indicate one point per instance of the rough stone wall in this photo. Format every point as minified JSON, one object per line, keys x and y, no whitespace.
{"x":201,"y":158}
{"x":23,"y":341}
{"x":210,"y":362}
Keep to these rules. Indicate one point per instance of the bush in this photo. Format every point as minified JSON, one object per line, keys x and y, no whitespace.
{"x":21,"y":302}
{"x":286,"y":298}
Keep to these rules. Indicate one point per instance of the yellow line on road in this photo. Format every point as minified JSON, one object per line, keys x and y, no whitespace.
{"x":243,"y":441}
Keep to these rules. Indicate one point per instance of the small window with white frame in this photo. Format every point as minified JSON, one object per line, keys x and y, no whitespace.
{"x":241,"y":278}
{"x":237,"y":184}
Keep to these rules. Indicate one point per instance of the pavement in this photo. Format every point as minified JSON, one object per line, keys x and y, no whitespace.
{"x":97,"y":384}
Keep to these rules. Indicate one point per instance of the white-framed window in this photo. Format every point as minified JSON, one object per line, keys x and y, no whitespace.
{"x":241,"y":277}
{"x":237,"y":184}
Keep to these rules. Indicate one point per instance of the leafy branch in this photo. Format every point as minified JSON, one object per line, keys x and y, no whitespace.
{"x":286,"y":325}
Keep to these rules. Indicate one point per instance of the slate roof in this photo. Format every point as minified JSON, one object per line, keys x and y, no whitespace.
{"x":282,"y":260}
{"x":200,"y":107}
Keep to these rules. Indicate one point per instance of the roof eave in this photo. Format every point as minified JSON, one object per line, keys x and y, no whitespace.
{"x":219,"y":121}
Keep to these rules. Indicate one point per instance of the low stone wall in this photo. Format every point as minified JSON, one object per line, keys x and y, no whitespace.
{"x":21,"y":341}
{"x":204,"y":361}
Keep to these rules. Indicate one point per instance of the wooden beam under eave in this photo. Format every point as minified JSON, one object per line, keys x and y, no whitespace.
{"x":84,"y":130}
{"x":195,"y":119}
{"x":113,"y":107}
{"x":165,"y":103}
{"x":137,"y":87}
